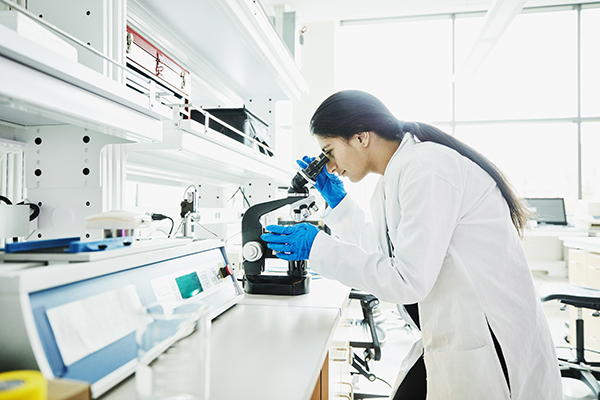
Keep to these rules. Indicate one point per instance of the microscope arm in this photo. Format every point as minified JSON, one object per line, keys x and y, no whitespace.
{"x":254,"y":248}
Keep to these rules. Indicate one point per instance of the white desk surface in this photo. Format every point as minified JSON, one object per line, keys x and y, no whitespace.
{"x":324,"y":293}
{"x":268,"y":347}
{"x":555,"y":230}
{"x":583,"y":243}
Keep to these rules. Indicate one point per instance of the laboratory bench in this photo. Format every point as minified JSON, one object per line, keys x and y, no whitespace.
{"x":269,"y":347}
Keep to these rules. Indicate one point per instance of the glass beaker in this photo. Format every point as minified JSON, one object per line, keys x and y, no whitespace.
{"x":173,"y":344}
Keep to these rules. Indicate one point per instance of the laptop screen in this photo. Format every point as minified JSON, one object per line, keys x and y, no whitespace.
{"x":548,"y":210}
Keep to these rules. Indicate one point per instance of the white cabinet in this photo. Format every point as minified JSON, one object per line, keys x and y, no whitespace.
{"x":584,"y":269}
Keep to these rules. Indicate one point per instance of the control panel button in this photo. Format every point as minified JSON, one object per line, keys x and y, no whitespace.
{"x":226,"y":271}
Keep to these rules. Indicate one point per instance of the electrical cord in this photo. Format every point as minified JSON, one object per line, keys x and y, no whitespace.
{"x":240,"y":190}
{"x":232,"y":236}
{"x":35,"y":211}
{"x":179,"y":227}
{"x":206,"y":229}
{"x":160,"y":217}
{"x":382,"y":380}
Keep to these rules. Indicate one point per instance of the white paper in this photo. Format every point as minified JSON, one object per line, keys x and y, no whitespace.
{"x":85,"y":326}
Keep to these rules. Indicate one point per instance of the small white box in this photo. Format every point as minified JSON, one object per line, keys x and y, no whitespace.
{"x":37,"y":33}
{"x":15,"y":220}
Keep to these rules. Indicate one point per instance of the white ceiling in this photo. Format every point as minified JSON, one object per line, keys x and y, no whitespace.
{"x":327,"y":10}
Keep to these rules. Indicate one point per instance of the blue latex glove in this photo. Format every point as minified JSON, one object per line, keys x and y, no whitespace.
{"x":291,"y":242}
{"x":329,"y":185}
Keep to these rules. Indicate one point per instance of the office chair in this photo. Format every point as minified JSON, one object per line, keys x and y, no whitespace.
{"x":578,"y":297}
{"x":372,"y":349}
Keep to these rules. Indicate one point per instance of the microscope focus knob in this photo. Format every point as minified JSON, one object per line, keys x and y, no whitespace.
{"x":252,"y":251}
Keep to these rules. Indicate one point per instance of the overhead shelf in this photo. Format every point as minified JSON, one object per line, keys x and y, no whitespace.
{"x":191,"y":152}
{"x":231,"y":48}
{"x":40,"y":87}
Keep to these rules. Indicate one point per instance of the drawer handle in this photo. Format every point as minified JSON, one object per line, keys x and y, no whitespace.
{"x":594,"y":338}
{"x":351,"y":391}
{"x":345,"y":358}
{"x":592,"y":267}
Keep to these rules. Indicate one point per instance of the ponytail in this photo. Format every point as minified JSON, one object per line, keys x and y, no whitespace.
{"x":519,"y":213}
{"x":349,"y":112}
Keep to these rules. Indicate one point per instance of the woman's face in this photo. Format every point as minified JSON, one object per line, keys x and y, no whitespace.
{"x":346,"y":158}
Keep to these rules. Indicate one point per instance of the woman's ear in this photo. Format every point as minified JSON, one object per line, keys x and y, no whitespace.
{"x":363,"y":138}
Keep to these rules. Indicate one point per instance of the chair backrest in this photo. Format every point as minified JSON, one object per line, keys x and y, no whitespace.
{"x":571,"y":294}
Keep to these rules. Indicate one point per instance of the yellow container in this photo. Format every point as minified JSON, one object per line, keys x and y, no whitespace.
{"x":23,"y":385}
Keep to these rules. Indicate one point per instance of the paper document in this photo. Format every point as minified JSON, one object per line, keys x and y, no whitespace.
{"x":85,"y":326}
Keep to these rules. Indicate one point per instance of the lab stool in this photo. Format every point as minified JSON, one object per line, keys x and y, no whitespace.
{"x":578,"y":297}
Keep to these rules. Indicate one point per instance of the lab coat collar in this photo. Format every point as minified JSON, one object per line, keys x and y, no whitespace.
{"x":393,"y":165}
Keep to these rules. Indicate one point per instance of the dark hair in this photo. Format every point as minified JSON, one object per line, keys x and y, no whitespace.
{"x":349,"y":112}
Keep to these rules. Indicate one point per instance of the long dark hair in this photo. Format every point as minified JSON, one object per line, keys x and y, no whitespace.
{"x":349,"y":112}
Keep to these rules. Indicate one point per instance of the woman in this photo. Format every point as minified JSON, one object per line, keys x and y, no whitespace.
{"x":444,"y":242}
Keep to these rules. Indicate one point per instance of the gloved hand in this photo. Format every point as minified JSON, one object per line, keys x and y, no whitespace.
{"x":291,"y":242}
{"x":329,"y":185}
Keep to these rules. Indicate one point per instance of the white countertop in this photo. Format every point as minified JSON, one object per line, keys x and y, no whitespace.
{"x":269,"y":347}
{"x":554,"y":230}
{"x":583,"y":243}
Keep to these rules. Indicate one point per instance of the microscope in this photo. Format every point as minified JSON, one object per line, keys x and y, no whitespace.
{"x":255,"y":250}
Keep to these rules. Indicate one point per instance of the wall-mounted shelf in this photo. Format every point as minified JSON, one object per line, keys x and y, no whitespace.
{"x":230,"y":47}
{"x":191,"y":152}
{"x":40,"y":87}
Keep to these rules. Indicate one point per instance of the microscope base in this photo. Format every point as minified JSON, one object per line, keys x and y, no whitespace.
{"x":277,"y":284}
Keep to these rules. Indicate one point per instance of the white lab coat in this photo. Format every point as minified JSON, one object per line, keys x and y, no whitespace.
{"x":458,"y":255}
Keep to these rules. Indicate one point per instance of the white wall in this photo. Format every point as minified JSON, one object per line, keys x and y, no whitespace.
{"x":317,"y":68}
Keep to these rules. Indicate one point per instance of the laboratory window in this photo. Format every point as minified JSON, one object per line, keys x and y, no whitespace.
{"x":590,"y":162}
{"x":408,"y":65}
{"x":530,"y":73}
{"x":540,"y":160}
{"x":590,"y":62}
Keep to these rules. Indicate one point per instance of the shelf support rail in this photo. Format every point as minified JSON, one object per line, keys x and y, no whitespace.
{"x":207,"y":118}
{"x":66,"y":35}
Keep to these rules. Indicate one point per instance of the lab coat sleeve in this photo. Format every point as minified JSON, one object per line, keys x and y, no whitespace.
{"x":349,"y":222}
{"x":430,"y":206}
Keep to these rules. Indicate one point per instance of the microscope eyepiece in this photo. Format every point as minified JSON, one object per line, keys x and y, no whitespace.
{"x":316,"y":166}
{"x":308,"y":174}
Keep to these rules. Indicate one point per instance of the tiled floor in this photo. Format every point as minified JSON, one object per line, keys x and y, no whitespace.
{"x":398,"y":340}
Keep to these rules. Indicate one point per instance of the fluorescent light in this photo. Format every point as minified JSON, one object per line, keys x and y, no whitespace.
{"x":497,"y":19}
{"x":478,"y":53}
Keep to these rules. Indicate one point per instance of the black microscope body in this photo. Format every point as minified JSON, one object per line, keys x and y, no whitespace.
{"x":255,"y":250}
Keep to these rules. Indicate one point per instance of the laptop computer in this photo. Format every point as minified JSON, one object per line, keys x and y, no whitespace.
{"x":549,"y":211}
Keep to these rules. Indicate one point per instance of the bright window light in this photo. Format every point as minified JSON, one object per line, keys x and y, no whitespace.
{"x":540,"y":160}
{"x":530,"y":73}
{"x":590,"y":62}
{"x":590,"y":162}
{"x":407,"y":65}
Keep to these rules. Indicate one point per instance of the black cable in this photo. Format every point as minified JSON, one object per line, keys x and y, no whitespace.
{"x":160,"y":217}
{"x":378,"y":378}
{"x":6,"y":200}
{"x":34,"y":208}
{"x":245,"y":198}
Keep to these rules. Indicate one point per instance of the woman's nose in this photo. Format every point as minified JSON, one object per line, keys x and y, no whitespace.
{"x":331,"y":167}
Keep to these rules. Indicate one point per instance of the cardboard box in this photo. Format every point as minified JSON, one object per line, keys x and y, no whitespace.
{"x":65,"y":389}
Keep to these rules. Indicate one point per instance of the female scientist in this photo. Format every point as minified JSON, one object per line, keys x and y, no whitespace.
{"x":444,"y":242}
